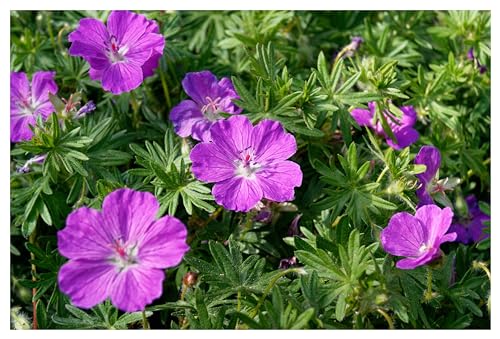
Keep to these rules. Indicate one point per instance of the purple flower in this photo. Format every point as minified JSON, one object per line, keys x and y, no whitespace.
{"x":472,"y":57}
{"x":401,"y":127}
{"x":39,"y":159}
{"x":247,"y":163}
{"x":209,"y":98}
{"x":470,"y":54}
{"x":120,"y":54}
{"x":29,"y":101}
{"x":431,"y":158}
{"x":471,"y":228}
{"x":87,"y":108}
{"x":353,"y":46}
{"x":418,"y":237}
{"x":287,"y":263}
{"x":120,"y":252}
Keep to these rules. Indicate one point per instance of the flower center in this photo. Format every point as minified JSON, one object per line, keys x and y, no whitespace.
{"x":124,"y":255}
{"x":27,"y":107}
{"x":115,"y":52}
{"x":211,"y":109}
{"x":246,"y":165}
{"x":423,"y":248}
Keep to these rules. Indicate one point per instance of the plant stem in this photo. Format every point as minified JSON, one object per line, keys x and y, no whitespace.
{"x":387,"y":318}
{"x":33,"y":278}
{"x":145,"y":323}
{"x":135,"y":110}
{"x":428,"y":293}
{"x":50,"y":31}
{"x":165,"y":88}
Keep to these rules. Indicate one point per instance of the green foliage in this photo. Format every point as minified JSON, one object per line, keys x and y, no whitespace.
{"x":300,"y":68}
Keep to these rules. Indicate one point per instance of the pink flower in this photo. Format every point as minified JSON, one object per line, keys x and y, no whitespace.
{"x":120,"y":54}
{"x":120,"y":252}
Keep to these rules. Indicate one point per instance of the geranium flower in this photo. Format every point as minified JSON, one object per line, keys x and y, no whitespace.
{"x":418,"y":237}
{"x":471,"y":229}
{"x":29,"y":101}
{"x":209,"y":98}
{"x":401,"y":127}
{"x":120,"y":54}
{"x":247,"y":163}
{"x":120,"y":252}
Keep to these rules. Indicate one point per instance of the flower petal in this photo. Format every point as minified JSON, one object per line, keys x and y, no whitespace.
{"x":210,"y":164}
{"x":201,"y":130}
{"x":95,"y":74}
{"x":128,"y":214}
{"x":233,"y":135}
{"x":19,"y":127}
{"x":436,"y":220}
{"x":121,"y":77}
{"x":431,"y":158}
{"x":41,"y":84}
{"x":409,"y":116}
{"x":411,"y":263}
{"x":404,"y":236}
{"x":183,"y":116}
{"x":89,"y":39}
{"x":44,"y":110}
{"x":405,"y":136}
{"x":85,"y":236}
{"x":477,"y":230}
{"x":151,"y":64}
{"x":363,"y":117}
{"x":19,"y":88}
{"x":271,"y":142}
{"x":237,"y":194}
{"x":164,"y":244}
{"x":86,"y":282}
{"x":278,"y":180}
{"x":461,"y":232}
{"x":227,"y":92}
{"x":198,"y":85}
{"x":127,"y":27}
{"x":137,"y":287}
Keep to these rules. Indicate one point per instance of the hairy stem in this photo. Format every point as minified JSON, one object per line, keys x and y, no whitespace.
{"x":428,"y":292}
{"x":145,"y":323}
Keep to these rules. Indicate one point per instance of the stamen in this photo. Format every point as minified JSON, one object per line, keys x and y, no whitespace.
{"x":211,"y":107}
{"x":246,"y":165}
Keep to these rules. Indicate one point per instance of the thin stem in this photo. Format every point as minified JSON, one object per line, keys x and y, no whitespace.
{"x":59,"y":37}
{"x":33,"y":278}
{"x":483,"y":266}
{"x":135,"y":110}
{"x":145,"y":323}
{"x":50,"y":31}
{"x":428,"y":293}
{"x":238,"y":306}
{"x":387,"y":318}
{"x":165,"y":88}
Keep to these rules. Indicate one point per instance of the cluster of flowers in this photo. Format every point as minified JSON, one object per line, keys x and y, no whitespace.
{"x":121,"y":252}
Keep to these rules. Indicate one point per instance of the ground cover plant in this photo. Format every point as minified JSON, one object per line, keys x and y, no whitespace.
{"x":250,"y":169}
